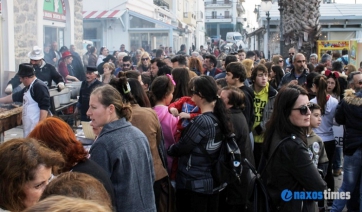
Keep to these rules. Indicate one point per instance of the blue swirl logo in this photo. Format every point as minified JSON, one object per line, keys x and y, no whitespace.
{"x":287,"y":195}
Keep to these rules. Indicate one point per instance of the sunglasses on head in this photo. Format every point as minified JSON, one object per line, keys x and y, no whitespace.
{"x":126,"y":65}
{"x":304,"y":109}
{"x":144,"y":59}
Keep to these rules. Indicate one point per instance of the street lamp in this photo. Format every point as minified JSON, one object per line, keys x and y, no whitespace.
{"x":266,"y":6}
{"x":254,"y":36}
{"x":281,"y":40}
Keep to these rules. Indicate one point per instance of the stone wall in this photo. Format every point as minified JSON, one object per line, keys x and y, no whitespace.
{"x":78,"y":25}
{"x":25,"y":29}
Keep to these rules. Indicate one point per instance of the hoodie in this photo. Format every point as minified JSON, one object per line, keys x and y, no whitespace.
{"x":325,"y":130}
{"x":169,"y":127}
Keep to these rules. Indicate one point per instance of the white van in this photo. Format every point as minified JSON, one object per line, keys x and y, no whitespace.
{"x":235,"y":37}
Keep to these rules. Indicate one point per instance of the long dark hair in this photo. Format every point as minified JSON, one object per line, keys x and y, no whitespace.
{"x":160,"y":88}
{"x":278,"y":76}
{"x":181,"y":77}
{"x":207,"y":88}
{"x":320,"y":82}
{"x":139,"y":93}
{"x":279,"y":121}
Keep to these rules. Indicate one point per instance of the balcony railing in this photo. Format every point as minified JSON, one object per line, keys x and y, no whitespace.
{"x":219,"y":17}
{"x":219,"y":3}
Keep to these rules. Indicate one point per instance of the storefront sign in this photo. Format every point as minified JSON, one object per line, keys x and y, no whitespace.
{"x":54,"y":10}
{"x":324,"y":46}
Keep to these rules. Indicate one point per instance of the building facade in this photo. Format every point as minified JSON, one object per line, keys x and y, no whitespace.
{"x":25,"y":24}
{"x":144,"y":23}
{"x":222,"y":16}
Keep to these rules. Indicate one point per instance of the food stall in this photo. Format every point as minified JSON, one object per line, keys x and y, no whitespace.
{"x":331,"y":45}
{"x":10,"y":117}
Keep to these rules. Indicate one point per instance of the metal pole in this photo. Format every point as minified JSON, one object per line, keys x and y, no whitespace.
{"x":254,"y":38}
{"x":268,"y":32}
{"x":281,"y":8}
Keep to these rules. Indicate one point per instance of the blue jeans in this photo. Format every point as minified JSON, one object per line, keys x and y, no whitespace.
{"x":337,"y":159}
{"x":352,"y":166}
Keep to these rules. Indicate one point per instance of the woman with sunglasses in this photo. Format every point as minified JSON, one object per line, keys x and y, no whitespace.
{"x":328,"y":106}
{"x":196,"y":189}
{"x":288,"y":164}
{"x":144,"y":63}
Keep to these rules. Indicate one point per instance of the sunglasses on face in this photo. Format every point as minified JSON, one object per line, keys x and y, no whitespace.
{"x":280,"y":61}
{"x":126,"y":65}
{"x":144,"y":59}
{"x":304,"y":109}
{"x":360,"y":82}
{"x":291,"y":53}
{"x":301,"y":61}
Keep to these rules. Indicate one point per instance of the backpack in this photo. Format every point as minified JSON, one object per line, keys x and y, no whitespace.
{"x":257,"y":190}
{"x":227,"y":168}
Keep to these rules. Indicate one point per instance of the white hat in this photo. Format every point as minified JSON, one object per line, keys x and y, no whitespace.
{"x":36,"y":54}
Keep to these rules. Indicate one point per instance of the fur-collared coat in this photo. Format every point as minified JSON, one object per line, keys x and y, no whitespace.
{"x":349,"y":114}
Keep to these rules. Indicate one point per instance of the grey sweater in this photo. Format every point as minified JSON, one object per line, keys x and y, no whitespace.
{"x":123,"y":151}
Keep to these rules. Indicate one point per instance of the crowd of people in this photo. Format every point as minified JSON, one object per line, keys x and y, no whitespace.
{"x":160,"y":118}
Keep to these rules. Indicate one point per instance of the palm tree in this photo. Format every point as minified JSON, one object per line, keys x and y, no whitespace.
{"x":301,"y":24}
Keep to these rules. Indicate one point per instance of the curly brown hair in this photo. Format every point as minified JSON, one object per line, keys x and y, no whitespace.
{"x":20,"y":158}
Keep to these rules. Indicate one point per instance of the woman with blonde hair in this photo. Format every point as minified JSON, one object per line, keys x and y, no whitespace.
{"x":108,"y":72}
{"x":249,"y":66}
{"x":349,"y":69}
{"x":144,"y":63}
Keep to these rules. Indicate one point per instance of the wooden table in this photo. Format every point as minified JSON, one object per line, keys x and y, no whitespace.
{"x":10,"y":119}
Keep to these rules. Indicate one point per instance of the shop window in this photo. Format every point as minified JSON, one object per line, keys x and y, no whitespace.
{"x":90,"y":33}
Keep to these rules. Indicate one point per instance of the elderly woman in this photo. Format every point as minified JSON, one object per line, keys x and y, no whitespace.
{"x":65,"y":67}
{"x":289,"y":166}
{"x":122,"y":150}
{"x":58,"y":136}
{"x":26,"y":168}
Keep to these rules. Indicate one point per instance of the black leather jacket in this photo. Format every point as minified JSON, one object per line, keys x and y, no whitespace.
{"x":291,"y":168}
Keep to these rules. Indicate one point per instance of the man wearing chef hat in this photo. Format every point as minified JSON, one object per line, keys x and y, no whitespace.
{"x":43,"y":71}
{"x":35,"y":97}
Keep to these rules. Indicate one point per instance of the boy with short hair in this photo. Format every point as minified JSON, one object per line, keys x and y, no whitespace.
{"x":316,"y":148}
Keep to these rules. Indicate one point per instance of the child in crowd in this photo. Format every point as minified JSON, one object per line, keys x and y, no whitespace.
{"x":185,"y":109}
{"x":161,"y":93}
{"x":316,"y":148}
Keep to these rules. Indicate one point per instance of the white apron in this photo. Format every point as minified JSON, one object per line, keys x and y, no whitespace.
{"x":31,"y":112}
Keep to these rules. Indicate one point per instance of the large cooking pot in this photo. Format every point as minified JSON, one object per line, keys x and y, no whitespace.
{"x":75,"y":88}
{"x":74,"y":91}
{"x":56,"y":101}
{"x":64,"y":98}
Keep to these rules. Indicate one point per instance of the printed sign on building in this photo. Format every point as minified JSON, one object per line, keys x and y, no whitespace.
{"x":54,"y":10}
